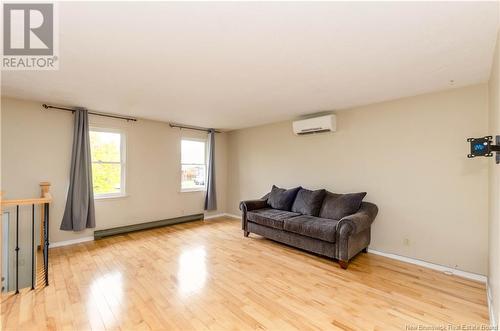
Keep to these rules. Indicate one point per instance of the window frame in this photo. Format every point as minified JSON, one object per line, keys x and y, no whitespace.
{"x":196,"y":189}
{"x":123,"y":162}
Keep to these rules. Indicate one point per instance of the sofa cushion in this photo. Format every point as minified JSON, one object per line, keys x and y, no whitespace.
{"x":308,"y":202}
{"x":272,"y":218}
{"x":282,"y":199}
{"x":337,"y":206}
{"x":310,"y":226}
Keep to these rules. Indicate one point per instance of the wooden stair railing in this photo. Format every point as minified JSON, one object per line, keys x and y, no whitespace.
{"x":44,"y":202}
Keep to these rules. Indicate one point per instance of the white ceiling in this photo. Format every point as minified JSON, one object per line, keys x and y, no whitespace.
{"x":240,"y":64}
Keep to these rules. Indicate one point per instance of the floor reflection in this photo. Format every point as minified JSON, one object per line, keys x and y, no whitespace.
{"x":106,"y":291}
{"x":192,"y":272}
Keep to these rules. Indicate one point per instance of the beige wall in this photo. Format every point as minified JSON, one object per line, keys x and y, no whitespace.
{"x":408,"y":154}
{"x":494,"y":185}
{"x":36,"y":146}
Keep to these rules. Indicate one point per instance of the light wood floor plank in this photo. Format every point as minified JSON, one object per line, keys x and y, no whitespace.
{"x":207,"y":276}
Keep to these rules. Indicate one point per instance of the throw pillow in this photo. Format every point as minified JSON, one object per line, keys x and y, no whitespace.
{"x":337,"y":206}
{"x":308,"y":202}
{"x":282,"y":199}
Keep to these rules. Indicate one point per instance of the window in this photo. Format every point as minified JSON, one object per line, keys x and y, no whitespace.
{"x":193,"y":165}
{"x":108,"y":162}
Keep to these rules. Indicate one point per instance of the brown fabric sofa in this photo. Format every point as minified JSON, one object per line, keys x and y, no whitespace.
{"x":341,"y":238}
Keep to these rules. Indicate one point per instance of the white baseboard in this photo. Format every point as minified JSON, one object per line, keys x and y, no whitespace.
{"x":438,"y":267}
{"x":222,"y":215}
{"x":493,"y":321}
{"x":70,"y":242}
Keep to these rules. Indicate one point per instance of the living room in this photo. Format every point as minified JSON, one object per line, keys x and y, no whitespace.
{"x":251,"y":165}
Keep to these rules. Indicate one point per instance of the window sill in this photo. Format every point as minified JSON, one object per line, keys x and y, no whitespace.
{"x":111,"y":197}
{"x":187,"y":190}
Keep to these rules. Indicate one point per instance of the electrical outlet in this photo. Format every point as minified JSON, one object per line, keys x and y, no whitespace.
{"x":406,"y":242}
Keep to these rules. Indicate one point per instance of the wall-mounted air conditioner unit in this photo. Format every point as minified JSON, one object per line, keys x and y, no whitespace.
{"x":326,"y":123}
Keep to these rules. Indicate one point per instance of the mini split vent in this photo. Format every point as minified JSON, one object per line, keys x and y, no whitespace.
{"x":327,"y":123}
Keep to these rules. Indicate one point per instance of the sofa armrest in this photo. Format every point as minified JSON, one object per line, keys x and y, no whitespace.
{"x":249,"y":205}
{"x":358,"y":222}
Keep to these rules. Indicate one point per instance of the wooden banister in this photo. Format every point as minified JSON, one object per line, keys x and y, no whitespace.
{"x":46,"y":197}
{"x":23,"y":202}
{"x":44,"y":202}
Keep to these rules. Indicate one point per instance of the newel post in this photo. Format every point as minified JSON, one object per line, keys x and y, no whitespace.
{"x":45,"y":188}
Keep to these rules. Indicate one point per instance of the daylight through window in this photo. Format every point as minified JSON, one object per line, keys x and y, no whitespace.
{"x":108,"y":167}
{"x":193,"y":164}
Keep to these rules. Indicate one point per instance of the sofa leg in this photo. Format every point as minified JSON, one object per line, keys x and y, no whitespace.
{"x":246,"y":233}
{"x":365,"y":250}
{"x":343,"y":264}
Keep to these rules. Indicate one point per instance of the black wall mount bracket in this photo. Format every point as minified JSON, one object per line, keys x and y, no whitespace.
{"x":484,"y":147}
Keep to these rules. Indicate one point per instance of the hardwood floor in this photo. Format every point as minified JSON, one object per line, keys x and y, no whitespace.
{"x":207,"y":276}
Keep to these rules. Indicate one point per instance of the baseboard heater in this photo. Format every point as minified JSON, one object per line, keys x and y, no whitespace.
{"x":145,"y":226}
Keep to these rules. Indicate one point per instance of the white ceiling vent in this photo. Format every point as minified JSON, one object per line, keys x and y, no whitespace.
{"x":327,"y":123}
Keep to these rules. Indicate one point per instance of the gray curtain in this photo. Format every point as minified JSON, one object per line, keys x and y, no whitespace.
{"x":210,"y":197}
{"x":79,"y":213}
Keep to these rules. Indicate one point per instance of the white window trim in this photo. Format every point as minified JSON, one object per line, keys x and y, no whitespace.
{"x":123,"y":162}
{"x":198,"y":189}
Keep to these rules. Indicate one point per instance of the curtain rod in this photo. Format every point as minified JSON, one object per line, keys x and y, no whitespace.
{"x":91,"y":113}
{"x":172,"y":125}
